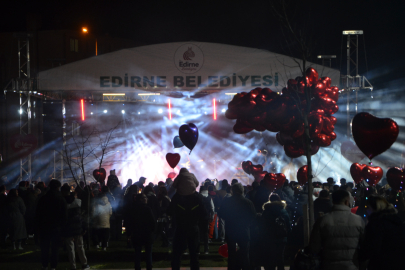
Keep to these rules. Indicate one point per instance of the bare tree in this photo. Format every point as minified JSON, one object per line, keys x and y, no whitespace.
{"x":296,"y":28}
{"x":80,"y":152}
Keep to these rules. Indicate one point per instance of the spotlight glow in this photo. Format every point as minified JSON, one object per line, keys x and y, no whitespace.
{"x":160,"y":111}
{"x":215,"y":109}
{"x":123,"y":112}
{"x":105,"y":111}
{"x":223,"y":110}
{"x":82,"y":106}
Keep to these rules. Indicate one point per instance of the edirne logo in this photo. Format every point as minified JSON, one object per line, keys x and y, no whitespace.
{"x":188,"y":58}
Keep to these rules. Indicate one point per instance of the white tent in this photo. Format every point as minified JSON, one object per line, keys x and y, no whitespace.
{"x":179,"y":66}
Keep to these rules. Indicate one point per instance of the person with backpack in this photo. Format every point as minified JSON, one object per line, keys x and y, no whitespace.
{"x":187,"y":212}
{"x":204,"y":223}
{"x":274,"y":227}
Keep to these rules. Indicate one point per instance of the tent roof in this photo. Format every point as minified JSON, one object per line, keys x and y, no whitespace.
{"x":179,"y":66}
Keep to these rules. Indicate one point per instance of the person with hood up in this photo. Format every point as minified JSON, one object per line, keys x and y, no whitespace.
{"x":73,"y":229}
{"x":274,"y":228}
{"x":384,"y":235}
{"x":185,"y":183}
{"x":102,"y":212}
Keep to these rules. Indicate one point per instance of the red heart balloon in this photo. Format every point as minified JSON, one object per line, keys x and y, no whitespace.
{"x":322,"y":140}
{"x":318,"y":89}
{"x":356,"y":172}
{"x":351,"y":152}
{"x":293,"y":151}
{"x":312,"y":75}
{"x":373,"y":135}
{"x":327,"y":81}
{"x":246,"y":166}
{"x":396,"y":178}
{"x":372,"y":175}
{"x":259,"y":175}
{"x":315,"y":125}
{"x":256,"y":168}
{"x":239,"y":128}
{"x":171,"y":175}
{"x":173,"y":159}
{"x":100,"y":174}
{"x":302,"y":175}
{"x":274,"y":181}
{"x":223,"y":250}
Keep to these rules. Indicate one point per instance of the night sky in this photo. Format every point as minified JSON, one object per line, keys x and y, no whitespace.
{"x":244,"y":23}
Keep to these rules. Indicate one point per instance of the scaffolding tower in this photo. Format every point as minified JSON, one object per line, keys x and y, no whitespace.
{"x":352,"y":81}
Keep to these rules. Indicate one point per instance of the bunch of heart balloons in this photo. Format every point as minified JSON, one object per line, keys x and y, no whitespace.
{"x":255,"y":170}
{"x":272,"y":181}
{"x":263,"y":109}
{"x":362,"y":172}
{"x":188,"y":136}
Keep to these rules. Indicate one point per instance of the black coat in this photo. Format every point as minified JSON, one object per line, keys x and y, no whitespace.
{"x":187,"y":211}
{"x":74,"y":224}
{"x":51,"y":213}
{"x":238,"y":213}
{"x":384,"y":241}
{"x":322,"y":205}
{"x":141,"y":222}
{"x":153,"y":204}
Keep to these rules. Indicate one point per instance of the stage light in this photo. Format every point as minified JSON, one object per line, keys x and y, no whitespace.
{"x":160,"y":111}
{"x":113,"y":94}
{"x":105,"y":111}
{"x":82,"y":106}
{"x":139,"y":112}
{"x":215,"y":109}
{"x":123,"y":112}
{"x":20,"y":111}
{"x":91,"y":113}
{"x":230,"y":94}
{"x":149,"y":94}
{"x":170,"y":110}
{"x":223,"y":110}
{"x":178,"y":111}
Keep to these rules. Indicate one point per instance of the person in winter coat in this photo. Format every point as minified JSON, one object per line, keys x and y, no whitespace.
{"x":185,"y":183}
{"x":238,"y":213}
{"x":112,"y":180}
{"x":72,"y":230}
{"x":337,"y":235}
{"x":50,"y":216}
{"x":204,"y":223}
{"x":384,"y":236}
{"x":3,"y":225}
{"x":153,"y":202}
{"x":274,"y":227}
{"x":143,"y":224}
{"x":162,"y":219}
{"x":102,"y":212}
{"x":15,"y":211}
{"x":187,"y":212}
{"x":322,"y":205}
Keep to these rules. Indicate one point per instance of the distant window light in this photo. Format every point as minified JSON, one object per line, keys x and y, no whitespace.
{"x":74,"y":45}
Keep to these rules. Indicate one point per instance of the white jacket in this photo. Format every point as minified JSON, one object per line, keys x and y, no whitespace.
{"x":102,"y":212}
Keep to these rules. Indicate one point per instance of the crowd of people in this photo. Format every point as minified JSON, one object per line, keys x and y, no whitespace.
{"x":356,"y":227}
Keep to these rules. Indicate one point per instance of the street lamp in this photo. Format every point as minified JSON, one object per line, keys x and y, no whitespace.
{"x":84,"y":30}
